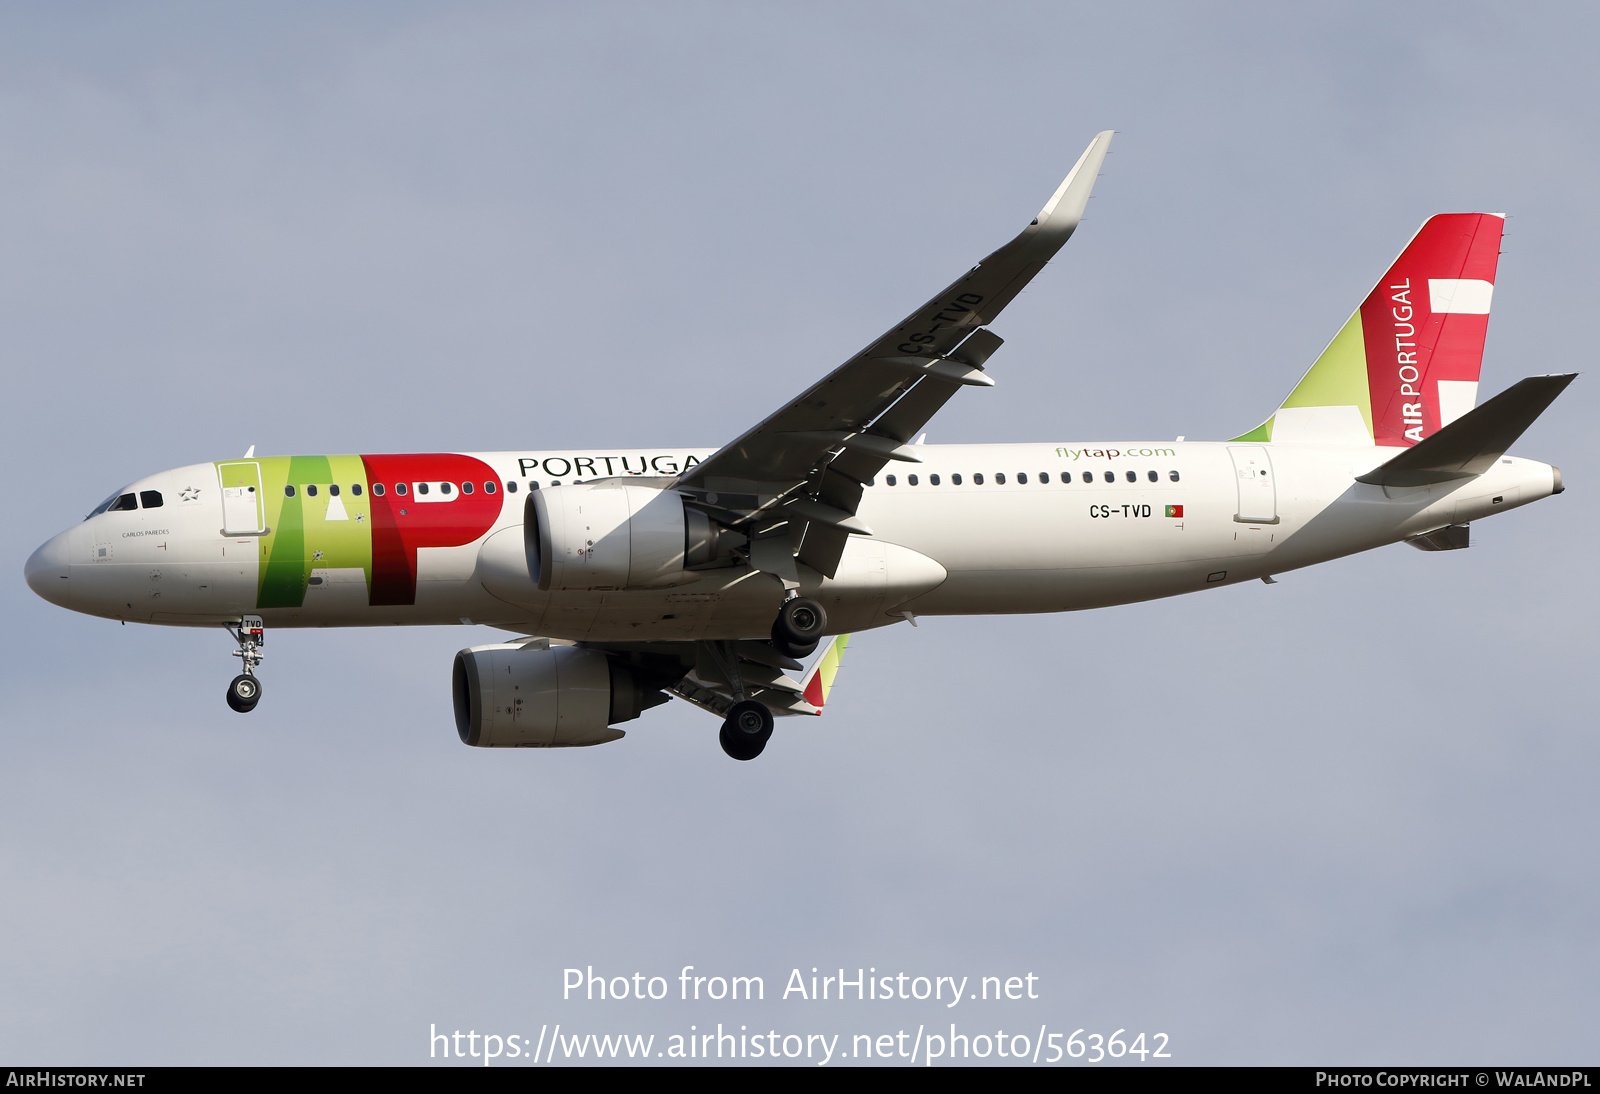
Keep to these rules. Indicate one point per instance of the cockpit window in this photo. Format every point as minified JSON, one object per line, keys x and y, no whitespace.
{"x":123,"y":504}
{"x":150,"y":499}
{"x":102,"y":507}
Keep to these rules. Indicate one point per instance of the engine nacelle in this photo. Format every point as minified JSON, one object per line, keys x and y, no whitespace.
{"x":527,"y":695}
{"x":617,"y":535}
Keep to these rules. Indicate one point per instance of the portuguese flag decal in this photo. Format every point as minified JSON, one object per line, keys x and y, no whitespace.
{"x":1174,"y":510}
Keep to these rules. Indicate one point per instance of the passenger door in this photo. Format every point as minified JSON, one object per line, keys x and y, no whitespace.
{"x":241,"y":498}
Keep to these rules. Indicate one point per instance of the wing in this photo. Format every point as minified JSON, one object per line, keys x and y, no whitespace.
{"x":792,"y":484}
{"x":713,"y":675}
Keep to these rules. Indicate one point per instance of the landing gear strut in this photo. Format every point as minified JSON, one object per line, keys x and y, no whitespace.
{"x":746,"y":730}
{"x":245,"y":690}
{"x":799,"y":627}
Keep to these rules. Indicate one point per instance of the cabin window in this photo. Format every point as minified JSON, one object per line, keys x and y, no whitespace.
{"x":890,"y":479}
{"x":288,"y":491}
{"x":1000,"y":478}
{"x":422,"y":488}
{"x":377,"y":489}
{"x":1111,"y":476}
{"x":1133,"y":476}
{"x":533,"y":484}
{"x":311,"y":491}
{"x":1154,"y":477}
{"x":1044,"y":476}
{"x":511,"y":487}
{"x":488,"y":487}
{"x":150,"y":499}
{"x":933,"y":480}
{"x":911,"y":479}
{"x":444,"y":488}
{"x":466,"y":488}
{"x":1066,"y":476}
{"x":977,"y":478}
{"x":955,"y":479}
{"x":333,"y":490}
{"x":1022,"y":477}
{"x":400,"y":488}
{"x":1173,"y":475}
{"x":355,"y":489}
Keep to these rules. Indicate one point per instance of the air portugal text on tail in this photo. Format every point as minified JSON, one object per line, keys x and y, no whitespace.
{"x":714,"y":575}
{"x":1424,"y":328}
{"x":1407,"y":362}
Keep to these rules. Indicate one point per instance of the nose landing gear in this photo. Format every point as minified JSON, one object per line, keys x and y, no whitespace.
{"x":245,"y":690}
{"x":244,"y":693}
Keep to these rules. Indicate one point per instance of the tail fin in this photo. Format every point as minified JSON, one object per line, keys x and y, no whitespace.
{"x":819,"y":681}
{"x":1407,"y":362}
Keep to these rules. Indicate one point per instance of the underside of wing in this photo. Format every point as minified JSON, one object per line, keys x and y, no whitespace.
{"x":714,"y":675}
{"x":793,"y":483}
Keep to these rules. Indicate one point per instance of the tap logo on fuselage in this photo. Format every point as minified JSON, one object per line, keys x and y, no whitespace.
{"x":371,"y":513}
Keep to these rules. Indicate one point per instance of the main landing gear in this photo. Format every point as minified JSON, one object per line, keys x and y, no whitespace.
{"x":245,"y":690}
{"x":746,"y":730}
{"x":799,"y":627}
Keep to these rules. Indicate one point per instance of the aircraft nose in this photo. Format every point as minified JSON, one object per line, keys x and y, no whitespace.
{"x":46,"y":570}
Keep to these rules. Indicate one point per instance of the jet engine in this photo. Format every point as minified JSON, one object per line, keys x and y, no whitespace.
{"x":618,"y":535}
{"x":533,"y":695}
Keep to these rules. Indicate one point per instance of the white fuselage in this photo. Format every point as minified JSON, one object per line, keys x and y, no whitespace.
{"x":1004,"y":528}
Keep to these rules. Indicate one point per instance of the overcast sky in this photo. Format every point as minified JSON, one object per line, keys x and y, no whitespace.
{"x":1348,"y":818}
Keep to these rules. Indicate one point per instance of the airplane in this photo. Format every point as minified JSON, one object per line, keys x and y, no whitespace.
{"x":633,"y":576}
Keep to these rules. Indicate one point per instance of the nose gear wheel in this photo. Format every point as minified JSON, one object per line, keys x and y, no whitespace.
{"x":244,"y":692}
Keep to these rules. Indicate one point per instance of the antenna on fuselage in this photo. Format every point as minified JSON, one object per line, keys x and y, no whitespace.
{"x":250,"y":453}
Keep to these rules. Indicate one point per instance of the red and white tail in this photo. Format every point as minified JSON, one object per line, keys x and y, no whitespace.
{"x":1425,"y":324}
{"x":1407,"y":361}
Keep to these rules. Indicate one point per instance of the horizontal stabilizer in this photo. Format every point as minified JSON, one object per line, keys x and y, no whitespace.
{"x":1468,"y":446}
